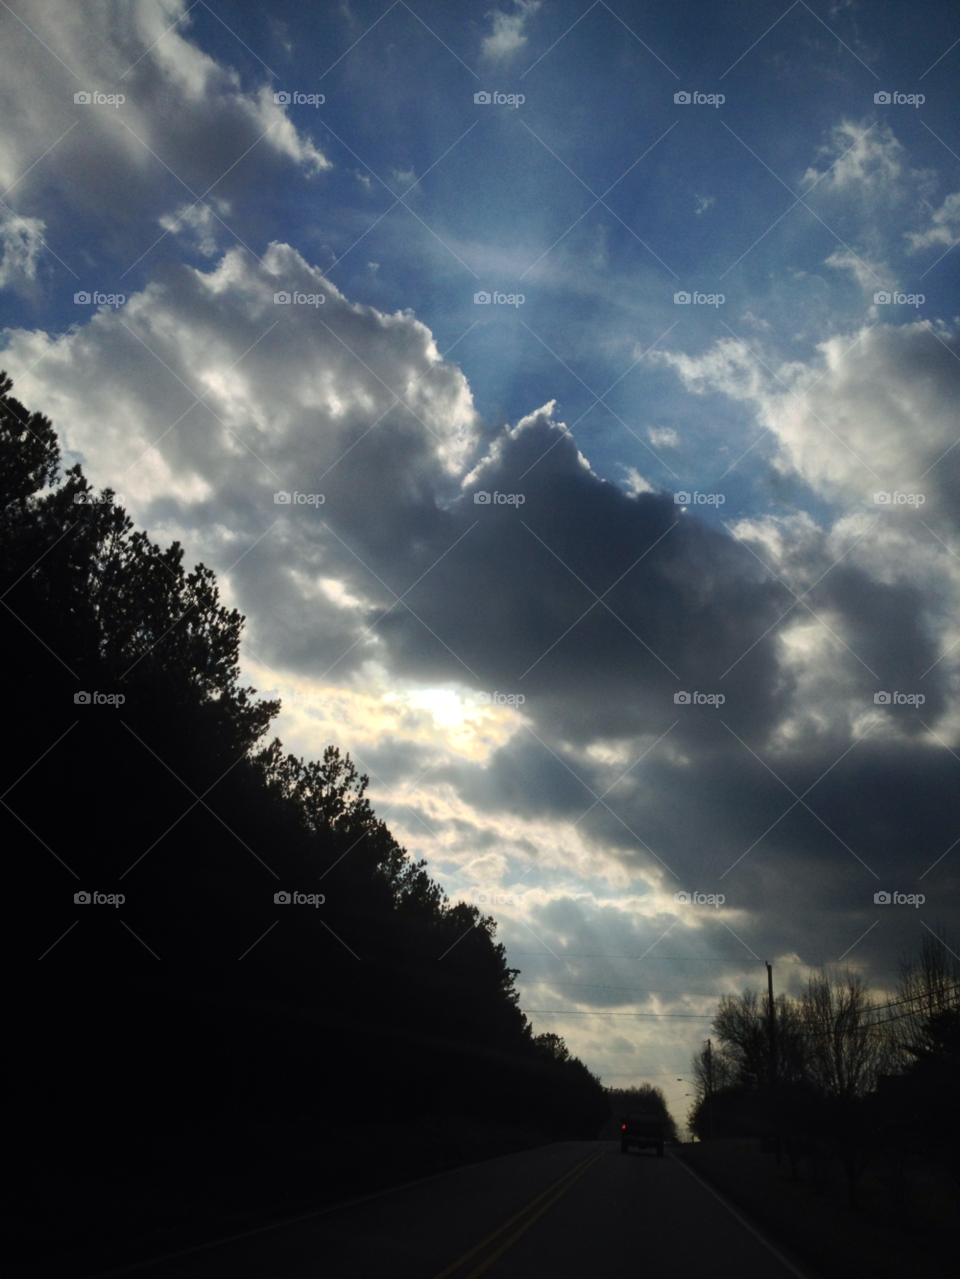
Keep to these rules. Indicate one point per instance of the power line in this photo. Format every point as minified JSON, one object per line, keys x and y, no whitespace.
{"x":639,"y":990}
{"x":690,"y":959}
{"x":571,"y":1012}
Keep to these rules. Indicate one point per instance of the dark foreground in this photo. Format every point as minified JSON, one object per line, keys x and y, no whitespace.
{"x":567,"y":1210}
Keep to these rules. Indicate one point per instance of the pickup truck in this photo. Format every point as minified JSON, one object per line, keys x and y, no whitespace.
{"x":642,"y":1128}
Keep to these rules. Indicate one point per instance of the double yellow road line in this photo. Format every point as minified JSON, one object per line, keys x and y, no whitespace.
{"x":551,"y":1195}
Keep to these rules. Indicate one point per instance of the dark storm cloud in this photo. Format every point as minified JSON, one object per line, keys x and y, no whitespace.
{"x":400,"y":569}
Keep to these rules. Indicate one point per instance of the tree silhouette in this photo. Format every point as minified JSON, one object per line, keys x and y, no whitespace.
{"x":242,"y":1004}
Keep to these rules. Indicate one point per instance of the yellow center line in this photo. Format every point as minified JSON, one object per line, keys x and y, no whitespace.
{"x":568,"y":1177}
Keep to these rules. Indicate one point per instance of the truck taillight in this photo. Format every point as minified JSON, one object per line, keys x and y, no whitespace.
{"x":624,"y":1127}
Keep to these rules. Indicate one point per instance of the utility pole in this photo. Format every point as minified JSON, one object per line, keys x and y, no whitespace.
{"x":709,"y":1091}
{"x":772,"y":1036}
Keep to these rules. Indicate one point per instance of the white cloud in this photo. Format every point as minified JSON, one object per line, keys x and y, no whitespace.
{"x":198,"y":223}
{"x":875,"y":411}
{"x":869,"y":275}
{"x":636,"y":482}
{"x":508,"y":34}
{"x":664,"y":437}
{"x":22,"y":240}
{"x":185,"y":123}
{"x":945,"y":228}
{"x":862,"y":158}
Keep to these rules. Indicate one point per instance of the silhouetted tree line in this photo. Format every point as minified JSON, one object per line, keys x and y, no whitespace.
{"x":200,"y":1004}
{"x":835,"y":1079}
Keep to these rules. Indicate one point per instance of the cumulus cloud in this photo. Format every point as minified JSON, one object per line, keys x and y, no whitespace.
{"x":202,"y":398}
{"x":186,"y":127}
{"x":876,"y":411}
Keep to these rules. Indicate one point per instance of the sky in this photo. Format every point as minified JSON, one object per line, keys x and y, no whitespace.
{"x":567,"y":395}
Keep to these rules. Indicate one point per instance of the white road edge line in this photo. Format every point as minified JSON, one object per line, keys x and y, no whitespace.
{"x":800,"y":1274}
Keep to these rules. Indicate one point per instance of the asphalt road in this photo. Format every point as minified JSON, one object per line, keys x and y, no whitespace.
{"x":574,"y":1210}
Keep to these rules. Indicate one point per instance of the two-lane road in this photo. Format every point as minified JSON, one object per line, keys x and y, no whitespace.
{"x":568,"y":1211}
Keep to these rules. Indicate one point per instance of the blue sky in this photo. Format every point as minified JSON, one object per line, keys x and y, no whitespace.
{"x":799,"y":199}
